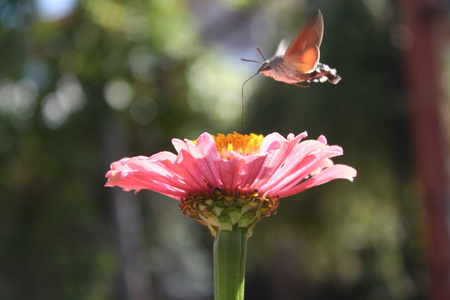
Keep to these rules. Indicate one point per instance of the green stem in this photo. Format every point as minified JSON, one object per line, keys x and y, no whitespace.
{"x":230,"y":248}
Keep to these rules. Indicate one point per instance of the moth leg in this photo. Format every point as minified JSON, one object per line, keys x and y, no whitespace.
{"x":302,"y":86}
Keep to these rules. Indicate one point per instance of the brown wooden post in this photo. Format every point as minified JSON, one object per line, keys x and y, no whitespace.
{"x":423,"y":17}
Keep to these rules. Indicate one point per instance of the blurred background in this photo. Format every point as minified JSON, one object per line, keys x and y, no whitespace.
{"x":86,"y":82}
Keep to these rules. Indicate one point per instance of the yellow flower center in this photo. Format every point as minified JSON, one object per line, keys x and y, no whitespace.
{"x":239,"y":143}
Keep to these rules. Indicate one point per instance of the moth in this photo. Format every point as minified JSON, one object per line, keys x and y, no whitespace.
{"x":300,"y":61}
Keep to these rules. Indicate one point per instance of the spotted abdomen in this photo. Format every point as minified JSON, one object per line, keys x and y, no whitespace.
{"x":323,"y":73}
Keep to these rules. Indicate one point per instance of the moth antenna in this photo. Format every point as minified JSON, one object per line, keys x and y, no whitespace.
{"x":261,"y":54}
{"x":250,"y":60}
{"x":242,"y":102}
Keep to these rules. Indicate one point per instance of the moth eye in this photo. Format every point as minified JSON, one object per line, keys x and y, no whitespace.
{"x":267,"y":68}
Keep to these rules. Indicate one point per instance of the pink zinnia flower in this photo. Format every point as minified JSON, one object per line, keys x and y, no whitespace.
{"x":251,"y":170}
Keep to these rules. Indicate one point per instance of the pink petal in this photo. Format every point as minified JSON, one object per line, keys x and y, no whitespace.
{"x":331,"y":173}
{"x":283,"y":167}
{"x":132,"y":180}
{"x":228,"y":174}
{"x":304,"y":169}
{"x":248,"y":169}
{"x":277,"y":155}
{"x":294,"y":160}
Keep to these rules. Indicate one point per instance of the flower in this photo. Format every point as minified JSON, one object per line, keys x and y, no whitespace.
{"x":238,"y":176}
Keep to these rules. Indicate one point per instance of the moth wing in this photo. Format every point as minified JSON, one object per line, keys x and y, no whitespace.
{"x":282,"y":47}
{"x":304,"y":51}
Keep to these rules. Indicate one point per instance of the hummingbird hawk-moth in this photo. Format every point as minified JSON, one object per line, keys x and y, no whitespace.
{"x":300,"y":61}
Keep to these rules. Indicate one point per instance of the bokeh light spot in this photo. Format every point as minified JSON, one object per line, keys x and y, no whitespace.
{"x":118,"y":94}
{"x":55,"y":9}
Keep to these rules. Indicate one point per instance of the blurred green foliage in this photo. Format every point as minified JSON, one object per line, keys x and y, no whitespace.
{"x":144,"y":72}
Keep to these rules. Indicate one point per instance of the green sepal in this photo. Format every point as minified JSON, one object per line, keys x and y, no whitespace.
{"x":225,"y":223}
{"x":241,"y":210}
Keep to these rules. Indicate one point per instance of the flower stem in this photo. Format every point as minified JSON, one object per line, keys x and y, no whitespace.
{"x":230,"y":248}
